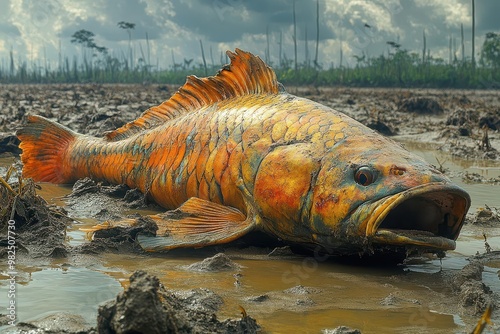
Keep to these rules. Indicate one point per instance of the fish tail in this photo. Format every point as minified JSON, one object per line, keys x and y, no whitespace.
{"x":45,"y":145}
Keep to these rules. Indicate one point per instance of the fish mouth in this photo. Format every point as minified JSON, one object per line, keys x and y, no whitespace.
{"x":428,"y":216}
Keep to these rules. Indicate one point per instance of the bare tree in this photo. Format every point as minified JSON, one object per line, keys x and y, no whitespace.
{"x":463,"y":44}
{"x":317,"y":34}
{"x":294,"y":36}
{"x":212,"y":57}
{"x":425,"y":46}
{"x":267,"y":53}
{"x":128,"y":26}
{"x":149,"y":52}
{"x":280,"y":47}
{"x":203,"y":57}
{"x":473,"y":33}
{"x":449,"y":50}
{"x":306,"y":46}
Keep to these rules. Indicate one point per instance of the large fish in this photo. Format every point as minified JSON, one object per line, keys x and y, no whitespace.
{"x":235,"y":153}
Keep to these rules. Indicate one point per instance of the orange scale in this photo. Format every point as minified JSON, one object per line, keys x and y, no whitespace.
{"x":192,"y":186}
{"x":203,"y":189}
{"x":220,"y":163}
{"x":201,"y":162}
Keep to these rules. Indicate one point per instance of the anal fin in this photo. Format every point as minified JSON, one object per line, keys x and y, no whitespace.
{"x":197,"y":223}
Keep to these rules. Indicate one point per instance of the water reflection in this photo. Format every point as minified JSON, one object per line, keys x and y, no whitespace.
{"x":72,"y":290}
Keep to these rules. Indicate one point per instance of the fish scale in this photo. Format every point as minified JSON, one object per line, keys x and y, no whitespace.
{"x":234,"y":153}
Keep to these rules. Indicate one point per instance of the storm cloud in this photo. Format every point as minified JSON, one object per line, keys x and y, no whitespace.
{"x":33,"y":29}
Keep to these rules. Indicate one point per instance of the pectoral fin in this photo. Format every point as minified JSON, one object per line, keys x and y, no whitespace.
{"x":197,"y":223}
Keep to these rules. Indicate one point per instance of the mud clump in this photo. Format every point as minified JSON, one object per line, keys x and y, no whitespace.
{"x":147,"y":307}
{"x":39,"y":228}
{"x":461,"y":117}
{"x":464,"y":121}
{"x":473,"y":294}
{"x":341,"y":330}
{"x":393,"y":300}
{"x":218,"y":262}
{"x":472,"y":271}
{"x":477,"y":178}
{"x":302,"y":290}
{"x":128,"y":232}
{"x":382,"y":128}
{"x":467,"y":150}
{"x":4,"y":320}
{"x":490,"y":120}
{"x":487,"y":217}
{"x":118,"y":239}
{"x":56,"y":323}
{"x":258,"y":299}
{"x":421,"y":105}
{"x":281,"y":252}
{"x":139,"y":309}
{"x":104,"y":202}
{"x":200,"y":299}
{"x":462,"y":100}
{"x":107,"y":203}
{"x":9,"y":144}
{"x":84,"y":186}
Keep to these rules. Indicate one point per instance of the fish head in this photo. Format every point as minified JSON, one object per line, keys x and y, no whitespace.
{"x":371,"y":192}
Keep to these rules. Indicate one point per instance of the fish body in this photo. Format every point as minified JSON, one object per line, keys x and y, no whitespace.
{"x":233,"y":153}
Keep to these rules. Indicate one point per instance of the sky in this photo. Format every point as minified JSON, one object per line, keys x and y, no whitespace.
{"x":37,"y":30}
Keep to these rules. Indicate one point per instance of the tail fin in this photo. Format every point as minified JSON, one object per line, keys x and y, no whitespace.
{"x":45,"y":144}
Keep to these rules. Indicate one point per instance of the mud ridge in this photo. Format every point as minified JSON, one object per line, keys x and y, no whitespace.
{"x":148,"y":307}
{"x":474,"y":295}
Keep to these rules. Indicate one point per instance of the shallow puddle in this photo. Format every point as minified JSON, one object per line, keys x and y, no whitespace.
{"x":403,"y":299}
{"x":54,"y":290}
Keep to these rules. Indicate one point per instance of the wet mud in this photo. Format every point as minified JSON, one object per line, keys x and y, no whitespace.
{"x":40,"y":227}
{"x":462,"y":123}
{"x":148,"y":307}
{"x":473,"y":293}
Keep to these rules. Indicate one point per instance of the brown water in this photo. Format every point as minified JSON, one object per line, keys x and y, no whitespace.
{"x":409,"y":299}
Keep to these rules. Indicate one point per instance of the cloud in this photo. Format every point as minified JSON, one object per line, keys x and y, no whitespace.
{"x":10,"y":30}
{"x":111,"y":12}
{"x":175,"y":27}
{"x":487,"y":16}
{"x":229,"y":20}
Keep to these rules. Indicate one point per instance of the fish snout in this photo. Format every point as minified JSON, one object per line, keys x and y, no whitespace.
{"x":427,"y":216}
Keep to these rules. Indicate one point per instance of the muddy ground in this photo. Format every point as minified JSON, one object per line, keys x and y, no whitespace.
{"x":463,"y":123}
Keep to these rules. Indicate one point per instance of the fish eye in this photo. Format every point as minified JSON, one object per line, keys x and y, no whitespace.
{"x":364,"y":176}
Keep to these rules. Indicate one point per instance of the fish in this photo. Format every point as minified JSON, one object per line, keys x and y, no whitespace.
{"x":234,"y":153}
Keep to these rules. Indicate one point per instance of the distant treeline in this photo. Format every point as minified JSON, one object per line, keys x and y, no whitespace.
{"x":397,"y":68}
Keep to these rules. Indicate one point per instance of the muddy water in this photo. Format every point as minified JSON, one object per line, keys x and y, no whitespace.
{"x":409,"y":299}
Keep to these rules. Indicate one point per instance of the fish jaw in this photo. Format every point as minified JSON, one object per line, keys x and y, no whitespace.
{"x":429,"y":216}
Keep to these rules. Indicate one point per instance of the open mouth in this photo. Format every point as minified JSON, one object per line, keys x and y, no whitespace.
{"x":428,"y":216}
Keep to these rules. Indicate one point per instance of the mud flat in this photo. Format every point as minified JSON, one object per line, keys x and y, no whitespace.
{"x":256,"y":284}
{"x":454,"y":120}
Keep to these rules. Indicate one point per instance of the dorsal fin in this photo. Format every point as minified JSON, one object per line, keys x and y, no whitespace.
{"x":247,"y":74}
